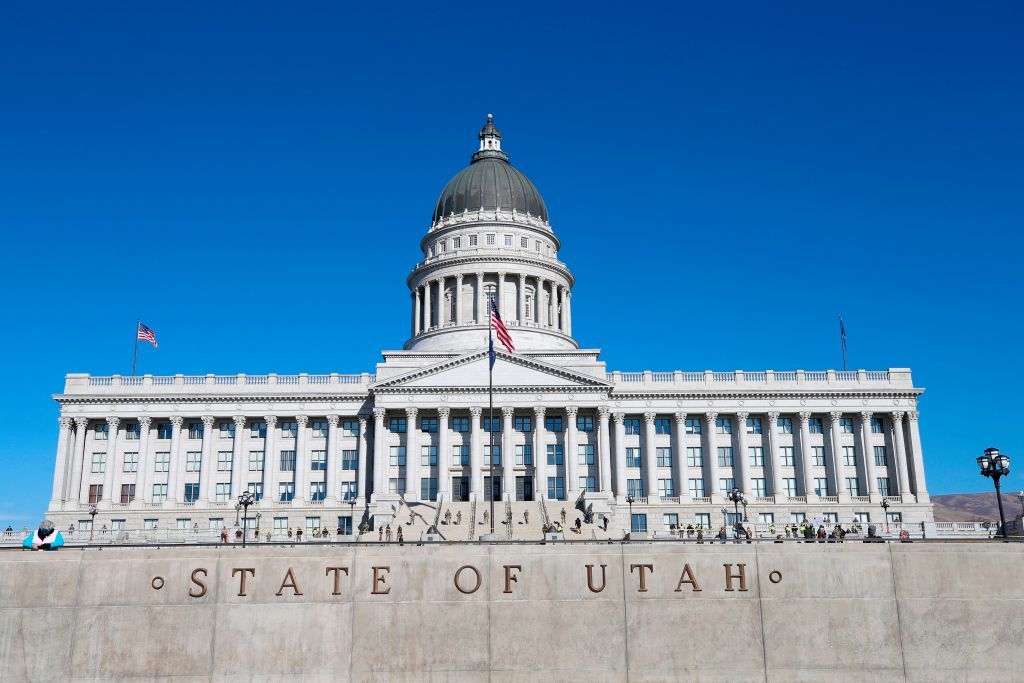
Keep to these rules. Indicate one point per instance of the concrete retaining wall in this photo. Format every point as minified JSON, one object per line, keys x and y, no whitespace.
{"x":925,"y":612}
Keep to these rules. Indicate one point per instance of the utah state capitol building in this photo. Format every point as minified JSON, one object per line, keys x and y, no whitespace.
{"x":338,"y":450}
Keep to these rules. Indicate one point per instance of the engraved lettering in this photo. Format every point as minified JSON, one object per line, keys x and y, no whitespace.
{"x":741,"y":575}
{"x":590,"y":578}
{"x":242,"y":571}
{"x":289,"y":582}
{"x":687,"y":577}
{"x":458,"y":584}
{"x":509,"y":577}
{"x":379,"y":581}
{"x":337,"y":578}
{"x":644,"y":568}
{"x":196,"y":581}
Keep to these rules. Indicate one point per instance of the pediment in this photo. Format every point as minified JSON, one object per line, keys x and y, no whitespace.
{"x":510,"y":370}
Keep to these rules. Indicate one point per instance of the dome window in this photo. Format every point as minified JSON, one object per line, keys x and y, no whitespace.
{"x":456,"y":243}
{"x":472,"y":240}
{"x":524,"y":242}
{"x":491,"y":239}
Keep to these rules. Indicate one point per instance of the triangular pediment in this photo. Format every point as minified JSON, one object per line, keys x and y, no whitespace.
{"x":510,"y":370}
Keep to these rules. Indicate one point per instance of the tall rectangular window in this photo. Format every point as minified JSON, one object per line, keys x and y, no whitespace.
{"x":638,"y":523}
{"x":786,"y":456}
{"x":318,"y":460}
{"x":756,"y":455}
{"x":289,"y":430}
{"x":319,"y":429}
{"x":162,"y":462}
{"x":191,"y":492}
{"x":253,"y":487}
{"x":666,"y":489}
{"x":508,"y":240}
{"x":524,"y":454}
{"x":258,"y":430}
{"x":758,"y":487}
{"x":588,"y":484}
{"x":95,"y":493}
{"x":456,"y":244}
{"x":491,"y":426}
{"x":883,"y":486}
{"x":428,"y":488}
{"x":852,"y":487}
{"x":397,"y":425}
{"x":693,"y":425}
{"x":350,"y":460}
{"x":849,"y":456}
{"x":285,"y":491}
{"x":195,"y":430}
{"x":846,"y":425}
{"x":164,"y":430}
{"x":555,"y":455}
{"x":633,"y":458}
{"x":317,"y":491}
{"x":789,"y":486}
{"x":490,"y":450}
{"x":754,"y":425}
{"x":397,"y":458}
{"x":635,"y":487}
{"x":694,"y":457}
{"x":785,"y":425}
{"x":350,"y":428}
{"x":586,"y":453}
{"x":223,"y":461}
{"x":696,"y":488}
{"x":99,"y":463}
{"x":726,"y":484}
{"x":523,"y":423}
{"x":193,"y":461}
{"x":159,"y":493}
{"x":880,"y":459}
{"x":255,"y":461}
{"x":632,"y":425}
{"x":223,"y":493}
{"x":725,"y":456}
{"x":127,"y":493}
{"x":814,"y":425}
{"x":428,"y":425}
{"x":131,"y":462}
{"x":662,"y":425}
{"x":472,"y":240}
{"x":723,"y":425}
{"x":131,"y":431}
{"x":428,"y":456}
{"x":287,"y":461}
{"x":100,"y":431}
{"x":664,"y":454}
{"x":818,"y":453}
{"x":556,"y":488}
{"x":349,"y":490}
{"x":491,"y":239}
{"x":585,"y":423}
{"x":821,"y":486}
{"x":877,"y":426}
{"x":227,"y":430}
{"x":460,"y":456}
{"x":553,"y":423}
{"x":460,"y":424}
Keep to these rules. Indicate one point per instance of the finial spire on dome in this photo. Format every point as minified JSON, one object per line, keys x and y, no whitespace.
{"x":490,"y":141}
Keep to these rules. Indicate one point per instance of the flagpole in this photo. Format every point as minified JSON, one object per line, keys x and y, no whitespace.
{"x":842,"y":340}
{"x":490,"y":410}
{"x":135,"y":354}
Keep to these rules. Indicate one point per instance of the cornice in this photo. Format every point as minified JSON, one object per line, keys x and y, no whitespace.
{"x":423,"y":271}
{"x":553,"y":370}
{"x":761,"y":394}
{"x":65,"y":399}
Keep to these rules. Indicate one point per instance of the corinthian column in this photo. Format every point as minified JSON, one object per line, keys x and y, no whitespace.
{"x":540,"y":453}
{"x":81,"y":434}
{"x":60,"y":468}
{"x":333,"y":464}
{"x":301,"y":460}
{"x":379,"y":458}
{"x":271,"y":461}
{"x":238,"y":468}
{"x":521,"y":314}
{"x":868,"y":453}
{"x":836,"y":469}
{"x":412,"y":456}
{"x":416,"y":312}
{"x":773,"y":447}
{"x":501,"y":295}
{"x":508,"y":485}
{"x":458,"y":300}
{"x":711,"y":457}
{"x":144,"y":470}
{"x":444,"y":454}
{"x":480,"y":315}
{"x":740,"y":464}
{"x":805,"y":455}
{"x":572,"y":458}
{"x":603,"y":445}
{"x":620,"y":455}
{"x":476,"y":454}
{"x":915,"y":447}
{"x":205,"y":464}
{"x":363,"y":473}
{"x":679,"y":458}
{"x":427,"y":306}
{"x":650,"y":459}
{"x":901,"y":453}
{"x":176,"y":493}
{"x":108,"y":477}
{"x":568,"y":311}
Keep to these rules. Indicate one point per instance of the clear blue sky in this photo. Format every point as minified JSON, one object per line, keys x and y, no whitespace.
{"x":253,"y":180}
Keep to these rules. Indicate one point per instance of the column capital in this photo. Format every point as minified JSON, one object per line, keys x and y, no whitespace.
{"x":81,"y":422}
{"x":115,"y":421}
{"x":362,"y":422}
{"x":475,"y":412}
{"x":710,"y":416}
{"x":603,"y":412}
{"x":458,"y":278}
{"x":680,"y":417}
{"x":619,"y":418}
{"x":522,"y":277}
{"x":571,"y":411}
{"x":773,"y":416}
{"x":440,"y":283}
{"x":912,"y":415}
{"x":866,"y":415}
{"x":208,"y":421}
{"x":443,"y":412}
{"x":835,"y":415}
{"x":176,"y":420}
{"x":897,"y":415}
{"x":805,"y":416}
{"x":332,"y":420}
{"x":64,"y":422}
{"x":538,"y":412}
{"x":239,"y":421}
{"x":502,"y":274}
{"x":302,"y":420}
{"x":742,"y":417}
{"x":145,"y":421}
{"x":507,"y":412}
{"x":271,"y":420}
{"x":378,"y":413}
{"x":649,"y":417}
{"x":410,"y":413}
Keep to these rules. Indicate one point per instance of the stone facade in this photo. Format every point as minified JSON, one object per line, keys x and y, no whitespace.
{"x":177,"y":450}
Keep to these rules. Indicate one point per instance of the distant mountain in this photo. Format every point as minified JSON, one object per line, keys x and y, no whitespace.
{"x":974,"y":507}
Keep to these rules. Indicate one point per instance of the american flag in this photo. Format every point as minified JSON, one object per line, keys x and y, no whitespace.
{"x":146,"y":334}
{"x":500,"y":330}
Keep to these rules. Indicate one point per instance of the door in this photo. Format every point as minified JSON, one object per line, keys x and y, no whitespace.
{"x":524,"y":488}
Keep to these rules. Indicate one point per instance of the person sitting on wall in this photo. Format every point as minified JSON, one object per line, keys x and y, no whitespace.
{"x":44,"y":538}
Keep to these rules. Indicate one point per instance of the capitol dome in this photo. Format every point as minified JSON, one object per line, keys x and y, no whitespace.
{"x":490,"y":182}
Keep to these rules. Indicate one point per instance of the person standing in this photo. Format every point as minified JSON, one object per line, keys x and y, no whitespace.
{"x":387,"y":533}
{"x":400,"y":539}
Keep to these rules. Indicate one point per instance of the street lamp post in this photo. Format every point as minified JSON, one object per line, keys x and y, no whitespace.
{"x":885,"y":513}
{"x":259,"y":516}
{"x":995,"y":465}
{"x":744,"y":504}
{"x":736,"y":496}
{"x":244,"y":501}
{"x":92,"y":525}
{"x":630,"y":500}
